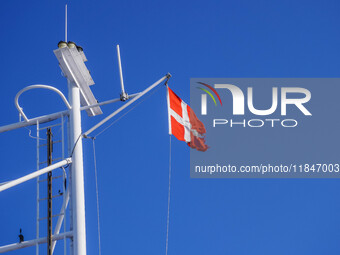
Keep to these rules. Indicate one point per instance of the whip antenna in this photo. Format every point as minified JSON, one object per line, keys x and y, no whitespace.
{"x":123,"y":95}
{"x":65,"y":22}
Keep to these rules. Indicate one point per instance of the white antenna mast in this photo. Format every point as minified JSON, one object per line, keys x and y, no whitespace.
{"x":124,"y":95}
{"x":71,"y":60}
{"x":65,"y":22}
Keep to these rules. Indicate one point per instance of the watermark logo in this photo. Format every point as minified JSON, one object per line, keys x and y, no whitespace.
{"x":204,"y":97}
{"x":238,"y":99}
{"x":267,"y":127}
{"x":281,"y":98}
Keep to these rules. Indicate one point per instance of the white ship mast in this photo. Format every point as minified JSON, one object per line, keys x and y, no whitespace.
{"x":80,"y":97}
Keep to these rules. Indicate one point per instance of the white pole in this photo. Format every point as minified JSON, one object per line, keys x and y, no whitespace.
{"x":31,"y":122}
{"x":120,"y":70}
{"x":61,"y":217}
{"x":38,"y":190}
{"x":17,"y":246}
{"x":35,"y":174}
{"x":77,"y":173}
{"x":53,"y":116}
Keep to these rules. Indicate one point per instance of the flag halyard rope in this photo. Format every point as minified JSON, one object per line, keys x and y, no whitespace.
{"x":168,"y":215}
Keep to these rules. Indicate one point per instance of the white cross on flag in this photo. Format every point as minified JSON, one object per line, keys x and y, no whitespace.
{"x":184,"y":124}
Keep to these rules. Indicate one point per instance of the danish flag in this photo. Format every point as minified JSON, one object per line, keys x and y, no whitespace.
{"x":183,"y":122}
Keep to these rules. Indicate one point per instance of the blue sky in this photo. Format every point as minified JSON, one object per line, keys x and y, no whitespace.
{"x":188,"y":39}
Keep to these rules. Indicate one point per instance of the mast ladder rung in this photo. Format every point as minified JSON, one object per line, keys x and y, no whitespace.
{"x":55,"y":196}
{"x":53,"y":160}
{"x":55,"y":125}
{"x":53,"y":216}
{"x":45,"y":144}
{"x":53,"y":178}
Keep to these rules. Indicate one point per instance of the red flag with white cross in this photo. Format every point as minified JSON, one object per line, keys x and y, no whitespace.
{"x":184,"y":124}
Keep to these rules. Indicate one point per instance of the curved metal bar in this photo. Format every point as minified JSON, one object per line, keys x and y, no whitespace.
{"x":38,"y":86}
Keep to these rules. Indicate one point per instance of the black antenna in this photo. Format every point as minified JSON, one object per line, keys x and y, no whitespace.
{"x":21,"y":237}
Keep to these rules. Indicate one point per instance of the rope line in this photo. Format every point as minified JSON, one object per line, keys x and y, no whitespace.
{"x":34,"y":137}
{"x":95,"y":173}
{"x":127,"y":112}
{"x":168,"y":216}
{"x":74,"y":146}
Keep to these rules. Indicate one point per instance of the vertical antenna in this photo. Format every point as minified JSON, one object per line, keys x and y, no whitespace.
{"x":123,"y":96}
{"x":66,"y":23}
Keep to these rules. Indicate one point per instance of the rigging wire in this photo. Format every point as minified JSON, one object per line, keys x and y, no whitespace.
{"x":96,"y":178}
{"x":75,"y":144}
{"x":168,"y":215}
{"x":127,"y":112}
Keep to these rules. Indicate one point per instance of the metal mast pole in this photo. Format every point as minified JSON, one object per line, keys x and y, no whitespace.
{"x":77,"y":173}
{"x":49,"y":192}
